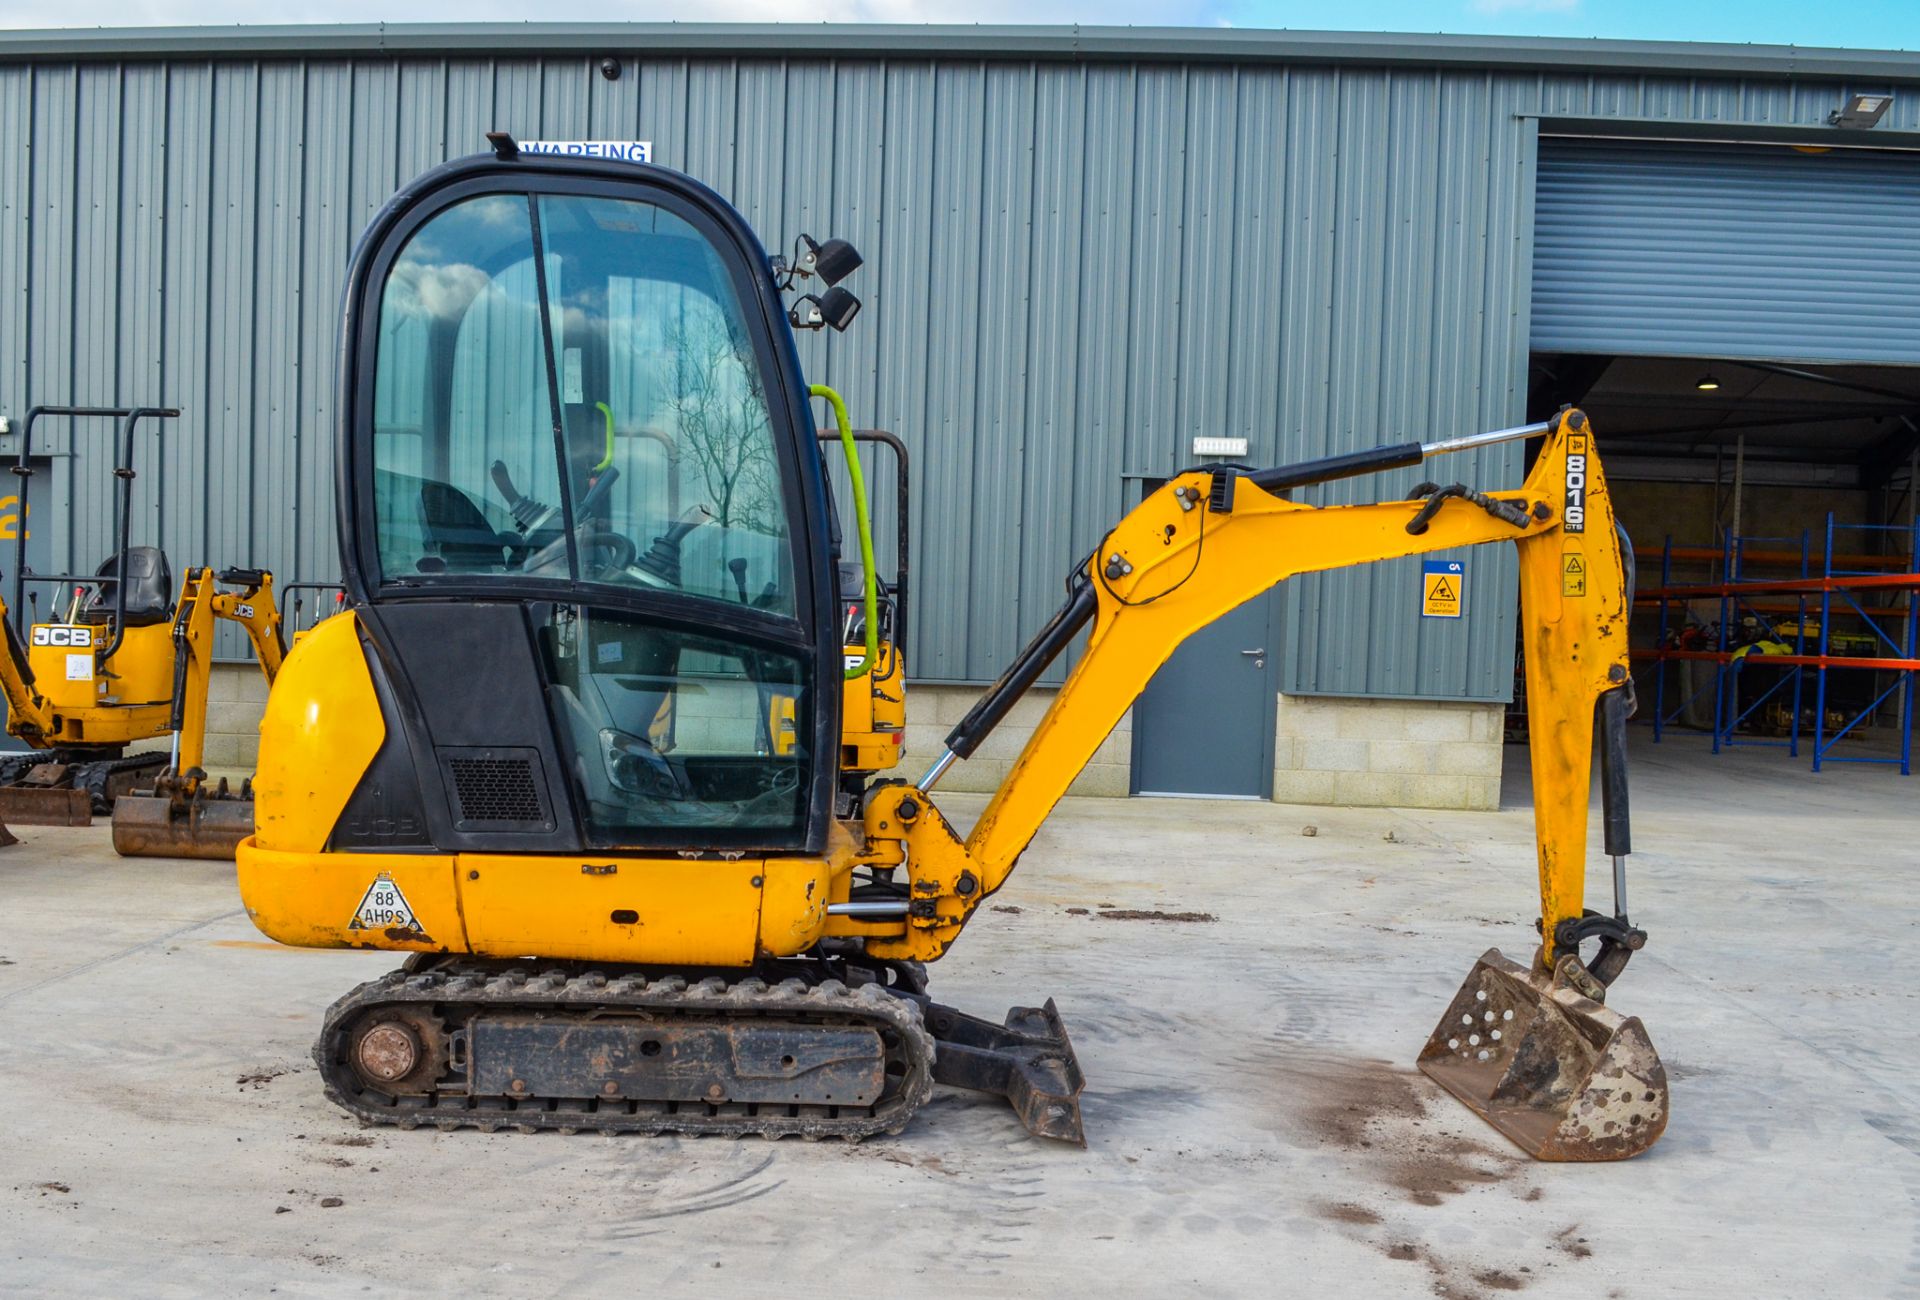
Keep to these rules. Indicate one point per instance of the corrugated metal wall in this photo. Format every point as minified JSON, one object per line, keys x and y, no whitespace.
{"x":1072,"y":270}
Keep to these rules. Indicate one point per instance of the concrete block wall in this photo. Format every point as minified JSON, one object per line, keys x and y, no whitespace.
{"x":932,"y":711}
{"x":1387,"y":753}
{"x":1327,"y":750}
{"x":236,"y":695}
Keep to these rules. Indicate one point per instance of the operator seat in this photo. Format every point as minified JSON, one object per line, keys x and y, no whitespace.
{"x":458,"y":529}
{"x":149,"y":582}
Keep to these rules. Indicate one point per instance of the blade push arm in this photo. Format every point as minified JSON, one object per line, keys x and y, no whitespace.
{"x":1205,"y":543}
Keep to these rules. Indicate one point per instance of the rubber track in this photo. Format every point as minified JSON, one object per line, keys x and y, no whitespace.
{"x":89,"y":774}
{"x":519,"y":986}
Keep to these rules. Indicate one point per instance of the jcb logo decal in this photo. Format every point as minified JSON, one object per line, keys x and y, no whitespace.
{"x":77,"y":637}
{"x":10,"y":518}
{"x":1576,"y":511}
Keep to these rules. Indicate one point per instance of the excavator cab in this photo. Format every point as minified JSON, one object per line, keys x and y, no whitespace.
{"x":578,"y":467}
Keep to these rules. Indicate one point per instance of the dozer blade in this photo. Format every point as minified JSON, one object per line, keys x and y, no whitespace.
{"x":1029,"y":1061}
{"x":155,"y":826}
{"x":1561,"y":1075}
{"x":39,"y":805}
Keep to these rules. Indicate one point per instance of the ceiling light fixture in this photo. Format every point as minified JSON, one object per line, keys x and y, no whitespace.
{"x":1707,"y":384}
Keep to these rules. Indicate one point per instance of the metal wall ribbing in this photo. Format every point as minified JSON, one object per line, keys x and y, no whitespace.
{"x":1073,"y":268}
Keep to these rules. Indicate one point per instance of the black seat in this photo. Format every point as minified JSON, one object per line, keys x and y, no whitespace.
{"x":149,"y":582}
{"x":459,"y":529}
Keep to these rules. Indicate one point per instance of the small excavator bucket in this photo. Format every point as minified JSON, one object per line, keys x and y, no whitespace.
{"x":1556,"y":1071}
{"x":160,"y":823}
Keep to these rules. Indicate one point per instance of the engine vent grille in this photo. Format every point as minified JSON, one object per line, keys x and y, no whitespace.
{"x":497,"y":789}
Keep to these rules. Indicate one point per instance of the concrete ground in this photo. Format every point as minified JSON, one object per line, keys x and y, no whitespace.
{"x":1255,"y":1124}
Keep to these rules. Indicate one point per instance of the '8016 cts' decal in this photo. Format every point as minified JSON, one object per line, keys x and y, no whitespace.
{"x":1575,"y":515}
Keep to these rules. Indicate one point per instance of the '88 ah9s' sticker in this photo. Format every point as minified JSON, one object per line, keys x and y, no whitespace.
{"x":383,"y":907}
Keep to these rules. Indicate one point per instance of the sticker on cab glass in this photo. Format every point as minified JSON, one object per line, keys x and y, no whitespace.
{"x":1573,"y":574}
{"x":384,"y":907}
{"x":1442,"y":588}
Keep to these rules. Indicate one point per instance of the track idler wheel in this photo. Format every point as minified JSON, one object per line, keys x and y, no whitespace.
{"x":398,"y":1051}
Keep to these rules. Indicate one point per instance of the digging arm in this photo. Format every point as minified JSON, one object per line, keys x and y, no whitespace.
{"x":201,"y":602}
{"x":254,"y":609}
{"x":1208,"y":541}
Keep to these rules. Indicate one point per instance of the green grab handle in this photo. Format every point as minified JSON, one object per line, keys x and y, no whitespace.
{"x":606,"y":460}
{"x":866,"y":528}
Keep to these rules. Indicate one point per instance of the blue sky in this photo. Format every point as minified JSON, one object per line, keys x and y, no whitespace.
{"x":1871,"y":24}
{"x":1882,"y":24}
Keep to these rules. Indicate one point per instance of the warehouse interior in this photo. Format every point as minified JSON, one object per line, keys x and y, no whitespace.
{"x":1728,"y":473}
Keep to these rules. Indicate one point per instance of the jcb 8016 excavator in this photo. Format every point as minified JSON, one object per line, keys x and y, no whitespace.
{"x":128,"y":660}
{"x":592,"y":762}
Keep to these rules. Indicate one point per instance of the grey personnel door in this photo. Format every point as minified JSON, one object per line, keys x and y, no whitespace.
{"x":1204,"y":725}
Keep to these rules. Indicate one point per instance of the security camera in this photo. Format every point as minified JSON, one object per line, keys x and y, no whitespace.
{"x":610,"y":69}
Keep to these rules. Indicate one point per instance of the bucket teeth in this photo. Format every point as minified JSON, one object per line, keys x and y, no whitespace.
{"x":1560,"y":1075}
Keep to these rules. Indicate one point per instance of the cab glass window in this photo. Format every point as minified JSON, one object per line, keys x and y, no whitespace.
{"x":663,"y":474}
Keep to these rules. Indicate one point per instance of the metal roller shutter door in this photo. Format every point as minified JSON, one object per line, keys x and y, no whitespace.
{"x":1660,"y":249}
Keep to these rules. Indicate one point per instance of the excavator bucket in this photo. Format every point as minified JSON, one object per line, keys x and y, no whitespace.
{"x":1555,"y":1070}
{"x":204,"y":824}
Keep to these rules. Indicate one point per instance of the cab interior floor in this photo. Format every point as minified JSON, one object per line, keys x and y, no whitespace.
{"x":1246,"y":1000}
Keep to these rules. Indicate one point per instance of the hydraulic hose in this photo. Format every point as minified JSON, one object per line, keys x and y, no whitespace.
{"x":865,"y":526}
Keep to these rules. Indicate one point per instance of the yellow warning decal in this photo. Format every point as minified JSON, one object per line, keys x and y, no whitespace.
{"x":1442,"y":592}
{"x":1573,"y":574}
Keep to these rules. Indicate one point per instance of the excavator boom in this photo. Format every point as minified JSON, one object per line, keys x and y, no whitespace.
{"x":1210,"y":540}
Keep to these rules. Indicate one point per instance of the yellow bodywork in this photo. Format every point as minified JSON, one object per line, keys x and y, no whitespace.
{"x":321,"y":730}
{"x":873,"y":712}
{"x":90,"y":701}
{"x":323,"y":727}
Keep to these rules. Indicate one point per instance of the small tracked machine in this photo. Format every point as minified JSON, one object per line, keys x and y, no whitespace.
{"x":603,"y":735}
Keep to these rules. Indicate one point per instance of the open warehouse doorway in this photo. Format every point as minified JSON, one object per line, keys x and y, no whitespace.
{"x":1743,"y":323}
{"x":1757,"y":495}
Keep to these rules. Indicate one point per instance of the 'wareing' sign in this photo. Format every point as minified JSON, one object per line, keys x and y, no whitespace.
{"x":634,"y":151}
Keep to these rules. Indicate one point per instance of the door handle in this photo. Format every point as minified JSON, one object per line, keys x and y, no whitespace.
{"x":1254,"y":654}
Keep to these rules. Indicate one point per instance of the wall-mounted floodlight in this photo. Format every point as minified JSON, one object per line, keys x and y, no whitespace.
{"x":835,"y":260}
{"x":832,"y":261}
{"x":1860,"y":112}
{"x":836,"y":307}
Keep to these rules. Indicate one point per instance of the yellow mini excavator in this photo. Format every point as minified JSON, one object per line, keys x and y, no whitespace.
{"x":595,"y":742}
{"x":126,"y":660}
